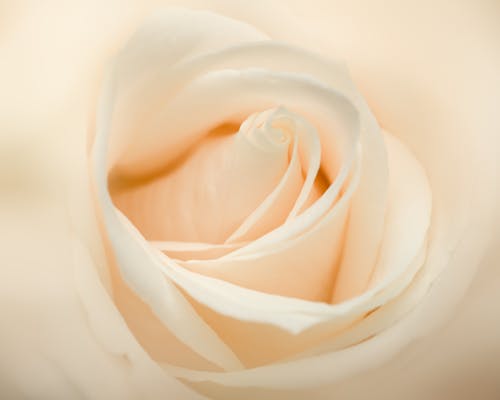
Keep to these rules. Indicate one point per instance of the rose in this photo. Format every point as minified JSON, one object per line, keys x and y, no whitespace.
{"x":298,"y":233}
{"x":141,"y":127}
{"x":134,"y":359}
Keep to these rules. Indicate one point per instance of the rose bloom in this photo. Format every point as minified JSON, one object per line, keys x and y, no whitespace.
{"x":275,"y":200}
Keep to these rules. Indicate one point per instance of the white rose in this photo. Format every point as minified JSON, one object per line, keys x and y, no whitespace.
{"x":265,"y":238}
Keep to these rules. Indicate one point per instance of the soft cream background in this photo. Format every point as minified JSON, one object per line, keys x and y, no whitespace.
{"x":50,"y":57}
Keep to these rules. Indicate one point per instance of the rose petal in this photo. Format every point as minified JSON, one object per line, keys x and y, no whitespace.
{"x":168,"y":303}
{"x":273,"y":211}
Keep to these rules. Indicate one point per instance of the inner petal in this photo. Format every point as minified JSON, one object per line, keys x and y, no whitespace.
{"x":207,"y":193}
{"x":296,"y":184}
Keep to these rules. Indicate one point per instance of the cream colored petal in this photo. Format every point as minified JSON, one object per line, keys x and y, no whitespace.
{"x":408,"y":215}
{"x":275,"y":208}
{"x":366,"y":217}
{"x":168,"y":303}
{"x":193,"y":250}
{"x":311,"y":162}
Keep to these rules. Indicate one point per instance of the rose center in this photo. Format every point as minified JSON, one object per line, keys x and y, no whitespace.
{"x":231,"y":186}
